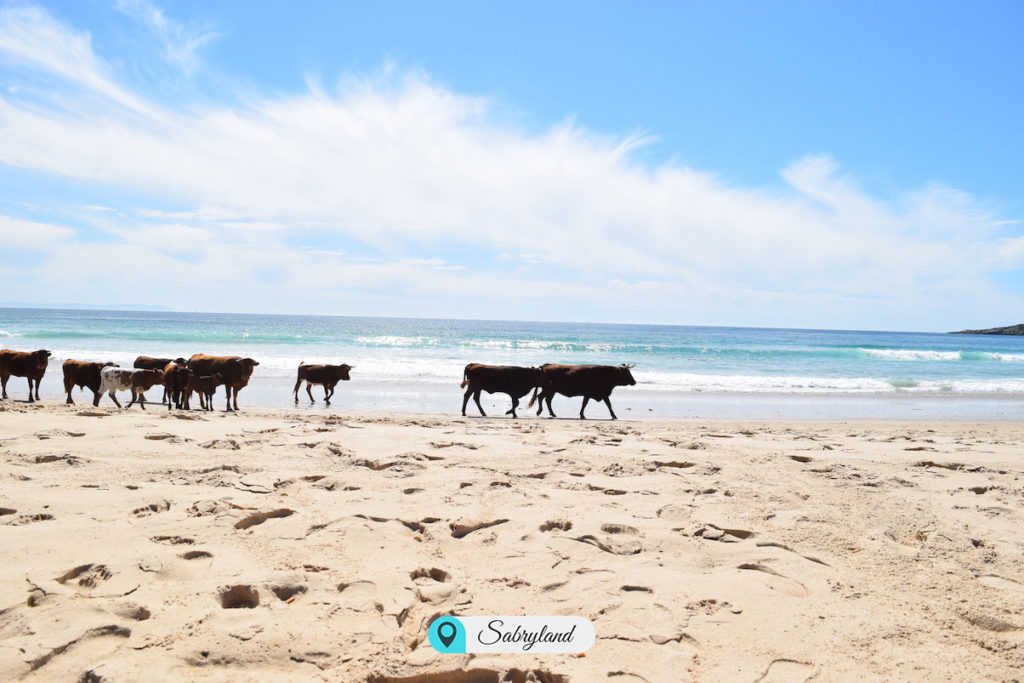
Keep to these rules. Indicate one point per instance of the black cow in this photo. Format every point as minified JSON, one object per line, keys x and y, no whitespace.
{"x":325,"y":375}
{"x":589,"y":381}
{"x":499,"y":379}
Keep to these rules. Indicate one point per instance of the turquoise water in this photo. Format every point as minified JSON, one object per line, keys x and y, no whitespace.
{"x":413,"y":364}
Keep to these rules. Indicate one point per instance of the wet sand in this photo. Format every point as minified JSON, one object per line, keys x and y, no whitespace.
{"x":295,"y":545}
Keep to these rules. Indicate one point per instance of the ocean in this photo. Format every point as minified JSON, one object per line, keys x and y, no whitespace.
{"x":696,"y":372}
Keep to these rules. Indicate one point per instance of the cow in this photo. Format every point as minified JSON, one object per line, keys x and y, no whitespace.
{"x":234,"y":370}
{"x":589,"y":381}
{"x":205,"y":386}
{"x":148,"y":363}
{"x":176,"y":377}
{"x":499,"y":379}
{"x":326,"y":376}
{"x":84,"y":375}
{"x":135,"y":381}
{"x":29,"y":364}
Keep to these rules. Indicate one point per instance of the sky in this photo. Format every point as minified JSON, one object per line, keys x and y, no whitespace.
{"x":843,"y":165}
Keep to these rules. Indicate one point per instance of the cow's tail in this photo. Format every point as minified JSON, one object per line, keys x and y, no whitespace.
{"x":533,"y":399}
{"x":465,"y":379}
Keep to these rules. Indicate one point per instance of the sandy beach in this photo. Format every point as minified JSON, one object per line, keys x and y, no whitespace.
{"x":293,"y":545}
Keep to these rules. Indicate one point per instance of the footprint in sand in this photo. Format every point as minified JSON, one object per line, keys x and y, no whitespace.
{"x":1002,"y":583}
{"x":172,"y":540}
{"x":21,"y":520}
{"x":783,"y":582}
{"x":433,"y":586}
{"x":288,"y":592}
{"x":786,"y":670}
{"x":460,"y":530}
{"x":260,"y":517}
{"x":239,"y":597}
{"x":195,"y":555}
{"x":88,"y":575}
{"x":357,"y":595}
{"x":560,"y":524}
{"x":152,"y":508}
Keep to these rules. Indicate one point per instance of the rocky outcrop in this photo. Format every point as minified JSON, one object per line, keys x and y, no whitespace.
{"x":1012,"y":329}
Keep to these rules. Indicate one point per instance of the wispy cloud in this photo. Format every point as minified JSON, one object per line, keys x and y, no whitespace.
{"x":396,"y":191}
{"x":181,"y":41}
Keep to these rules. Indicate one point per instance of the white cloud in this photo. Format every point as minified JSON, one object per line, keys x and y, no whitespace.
{"x":404,"y":168}
{"x":181,"y":41}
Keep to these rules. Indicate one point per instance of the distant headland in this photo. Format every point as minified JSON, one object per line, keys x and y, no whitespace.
{"x":1012,"y":329}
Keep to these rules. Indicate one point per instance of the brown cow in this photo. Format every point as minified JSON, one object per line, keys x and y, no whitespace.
{"x":205,"y":386}
{"x":29,"y":364}
{"x":148,"y":363}
{"x":176,"y":377}
{"x":136,"y":381}
{"x":325,"y":375}
{"x":235,"y":372}
{"x":589,"y":381}
{"x":84,"y":375}
{"x":501,"y":379}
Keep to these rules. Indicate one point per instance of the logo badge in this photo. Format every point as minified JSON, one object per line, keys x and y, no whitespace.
{"x":502,"y":634}
{"x":447,"y":634}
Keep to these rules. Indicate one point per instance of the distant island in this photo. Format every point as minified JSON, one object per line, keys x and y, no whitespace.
{"x":1012,"y":329}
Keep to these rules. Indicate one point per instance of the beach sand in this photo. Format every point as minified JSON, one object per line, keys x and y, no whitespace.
{"x":295,"y":545}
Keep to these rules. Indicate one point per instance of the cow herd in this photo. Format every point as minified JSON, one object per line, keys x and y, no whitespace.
{"x":202,"y":374}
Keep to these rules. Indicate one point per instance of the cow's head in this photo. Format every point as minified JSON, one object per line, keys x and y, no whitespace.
{"x":179,"y":361}
{"x":247,"y":365}
{"x":537,"y":377}
{"x":40,"y":356}
{"x":345,"y":368}
{"x":625,"y":376}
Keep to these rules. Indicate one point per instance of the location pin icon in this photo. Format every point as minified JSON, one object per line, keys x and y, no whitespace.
{"x":446,"y":633}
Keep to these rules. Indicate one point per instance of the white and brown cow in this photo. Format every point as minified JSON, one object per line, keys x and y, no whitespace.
{"x":135,"y":381}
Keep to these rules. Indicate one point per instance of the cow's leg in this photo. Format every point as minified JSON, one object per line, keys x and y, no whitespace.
{"x":236,"y":398}
{"x":30,"y":399}
{"x":3,"y":385}
{"x":38,"y":380}
{"x":608,"y":402}
{"x":515,"y":404}
{"x":96,"y":396}
{"x":165,"y":398}
{"x":586,"y":399}
{"x":68,"y":386}
{"x":476,"y":397}
{"x":298,"y":383}
{"x":309,"y":390}
{"x":328,"y":392}
{"x":551,"y":413}
{"x":465,"y":400}
{"x":227,"y":392}
{"x":114,"y":398}
{"x":135,"y":396}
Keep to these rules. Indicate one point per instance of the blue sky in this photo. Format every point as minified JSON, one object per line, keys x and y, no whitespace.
{"x":801,"y":164}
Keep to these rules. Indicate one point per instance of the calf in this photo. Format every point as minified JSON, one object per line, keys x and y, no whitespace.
{"x":499,"y":379}
{"x":589,"y":381}
{"x":205,"y":386}
{"x":325,"y":375}
{"x":28,"y":364}
{"x":136,"y":381}
{"x":149,"y":363}
{"x":84,"y":375}
{"x":236,"y":372}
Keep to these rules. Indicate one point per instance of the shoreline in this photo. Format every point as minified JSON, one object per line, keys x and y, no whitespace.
{"x":284,"y":544}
